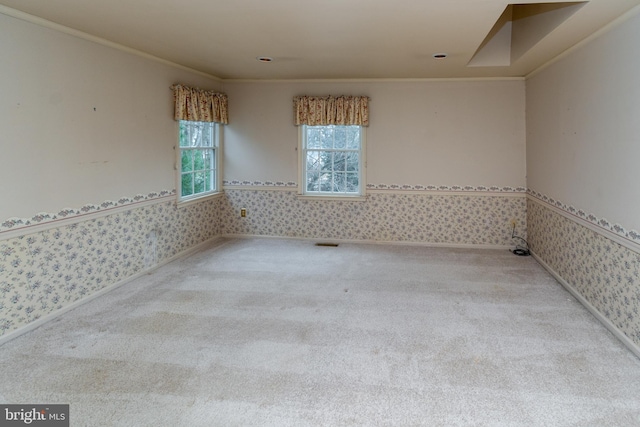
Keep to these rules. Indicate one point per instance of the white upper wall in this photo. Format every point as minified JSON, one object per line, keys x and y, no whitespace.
{"x":583,"y":127}
{"x":447,"y":132}
{"x":81,"y":122}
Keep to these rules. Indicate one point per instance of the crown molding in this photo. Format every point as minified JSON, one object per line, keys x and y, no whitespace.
{"x":4,"y":10}
{"x":378,"y":80}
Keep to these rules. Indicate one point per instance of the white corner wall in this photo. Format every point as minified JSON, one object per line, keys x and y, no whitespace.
{"x":81,"y":122}
{"x":583,"y":146}
{"x":421,"y":132}
{"x":583,"y":127}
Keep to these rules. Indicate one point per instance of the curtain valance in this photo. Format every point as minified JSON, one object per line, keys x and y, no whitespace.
{"x":199,"y":105}
{"x":329,"y":110}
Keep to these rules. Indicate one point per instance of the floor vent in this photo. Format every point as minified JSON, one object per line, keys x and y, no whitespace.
{"x":331,"y":245}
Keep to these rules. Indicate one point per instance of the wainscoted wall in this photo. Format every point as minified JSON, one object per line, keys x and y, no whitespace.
{"x":598,"y":261}
{"x":44,"y":270}
{"x":429,"y":217}
{"x":53,"y":260}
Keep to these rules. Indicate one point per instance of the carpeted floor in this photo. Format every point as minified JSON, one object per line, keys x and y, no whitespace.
{"x":284,"y":333}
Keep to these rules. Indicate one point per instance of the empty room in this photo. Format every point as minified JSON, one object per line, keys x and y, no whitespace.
{"x":294,"y":213}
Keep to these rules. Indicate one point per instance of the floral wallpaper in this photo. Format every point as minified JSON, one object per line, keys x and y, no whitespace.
{"x":44,"y":271}
{"x":632,"y":236}
{"x":46,"y":218}
{"x":605,"y":273}
{"x":95,"y":246}
{"x":447,"y":188}
{"x":395,"y":187}
{"x":243,"y":183}
{"x":477,"y":219}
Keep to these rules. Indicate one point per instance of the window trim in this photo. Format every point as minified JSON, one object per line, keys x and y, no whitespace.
{"x":218,"y":144}
{"x":304,"y":194}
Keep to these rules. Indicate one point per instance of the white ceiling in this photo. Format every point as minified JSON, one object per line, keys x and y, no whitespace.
{"x":328,"y":39}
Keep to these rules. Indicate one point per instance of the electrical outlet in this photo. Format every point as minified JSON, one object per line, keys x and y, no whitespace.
{"x":243,"y":212}
{"x":513,"y":222}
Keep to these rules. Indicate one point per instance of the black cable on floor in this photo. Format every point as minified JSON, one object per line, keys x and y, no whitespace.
{"x":520,"y":250}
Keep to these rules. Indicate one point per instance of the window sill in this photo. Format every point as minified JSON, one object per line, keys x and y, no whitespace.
{"x":193,"y":200}
{"x":358,"y":198}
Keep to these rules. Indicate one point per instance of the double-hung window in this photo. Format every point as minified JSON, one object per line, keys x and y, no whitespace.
{"x":332,"y":160}
{"x":200,"y":115}
{"x":198,"y":158}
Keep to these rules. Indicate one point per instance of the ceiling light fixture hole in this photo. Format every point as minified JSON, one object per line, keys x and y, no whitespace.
{"x":264,"y":59}
{"x":440,"y":55}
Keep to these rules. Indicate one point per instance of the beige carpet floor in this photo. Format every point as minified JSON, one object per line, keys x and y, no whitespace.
{"x":269,"y":332}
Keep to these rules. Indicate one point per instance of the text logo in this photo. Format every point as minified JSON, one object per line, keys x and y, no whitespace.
{"x":34,"y":415}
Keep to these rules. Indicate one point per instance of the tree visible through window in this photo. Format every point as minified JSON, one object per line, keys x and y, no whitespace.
{"x":332,"y":159}
{"x":198,"y":163}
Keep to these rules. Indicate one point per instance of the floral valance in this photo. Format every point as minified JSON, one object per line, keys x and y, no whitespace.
{"x":329,"y":110}
{"x":199,"y":105}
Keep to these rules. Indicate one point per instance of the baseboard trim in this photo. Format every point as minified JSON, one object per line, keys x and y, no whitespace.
{"x":635,"y":349}
{"x":51,"y":316}
{"x":371,"y":242}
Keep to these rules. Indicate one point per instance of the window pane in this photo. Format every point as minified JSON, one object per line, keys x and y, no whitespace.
{"x":187,"y":184}
{"x":199,"y":160}
{"x":326,"y":160}
{"x":198,"y":129}
{"x":198,"y":184}
{"x":313,"y":160}
{"x":352,"y":182}
{"x":194,"y":135}
{"x":187,"y":161}
{"x":352,"y":162}
{"x":207,"y":135}
{"x":326,"y":183}
{"x":326,"y":139}
{"x":339,"y":161}
{"x":207,"y":181}
{"x":353,"y":137}
{"x":340,"y":137}
{"x":184,"y":133}
{"x":313,"y":137}
{"x":206,"y":159}
{"x":313,"y":180}
{"x":332,"y":159}
{"x":339,"y":182}
{"x":197,"y":157}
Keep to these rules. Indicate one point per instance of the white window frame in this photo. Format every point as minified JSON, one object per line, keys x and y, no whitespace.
{"x":302,"y":172}
{"x":216,"y":149}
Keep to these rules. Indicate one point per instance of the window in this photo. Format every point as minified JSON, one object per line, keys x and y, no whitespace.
{"x":332,"y":160}
{"x":198,"y":158}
